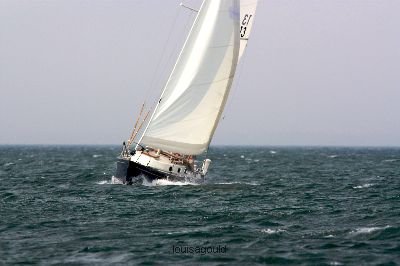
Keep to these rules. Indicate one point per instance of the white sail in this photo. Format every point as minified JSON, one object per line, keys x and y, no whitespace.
{"x":247,"y":12}
{"x":194,"y":97}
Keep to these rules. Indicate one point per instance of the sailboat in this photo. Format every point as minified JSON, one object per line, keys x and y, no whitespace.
{"x":188,"y":111}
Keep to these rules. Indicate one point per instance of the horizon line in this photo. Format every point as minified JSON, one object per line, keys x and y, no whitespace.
{"x":225,"y":145}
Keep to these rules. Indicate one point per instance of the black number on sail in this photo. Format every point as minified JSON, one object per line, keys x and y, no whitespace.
{"x":246,"y":19}
{"x":242,"y":31}
{"x":245,"y":23}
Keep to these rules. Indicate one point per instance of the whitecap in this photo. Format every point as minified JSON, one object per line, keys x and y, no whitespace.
{"x":96,"y":155}
{"x":363,"y":186}
{"x":8,"y":164}
{"x":242,"y":156}
{"x":180,"y":232}
{"x":272,"y":152}
{"x":114,"y":181}
{"x":104,"y":182}
{"x":236,"y":183}
{"x":64,"y":186}
{"x":333,"y":156}
{"x":272,"y":231}
{"x":390,"y":160}
{"x":367,"y":230}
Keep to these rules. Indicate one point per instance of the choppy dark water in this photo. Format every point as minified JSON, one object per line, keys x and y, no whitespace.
{"x":267,"y":205}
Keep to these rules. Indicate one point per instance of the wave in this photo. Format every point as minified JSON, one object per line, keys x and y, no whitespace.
{"x":112,"y":181}
{"x":391,"y":160}
{"x":238,"y":183}
{"x":364,"y":186}
{"x":104,"y":182}
{"x":141,"y":180}
{"x":367,"y":230}
{"x":165,"y":182}
{"x":272,"y":231}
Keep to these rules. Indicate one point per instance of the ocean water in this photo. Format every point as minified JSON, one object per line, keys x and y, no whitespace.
{"x":259,"y":205}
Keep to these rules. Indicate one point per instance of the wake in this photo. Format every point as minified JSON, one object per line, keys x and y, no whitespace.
{"x":143,"y":181}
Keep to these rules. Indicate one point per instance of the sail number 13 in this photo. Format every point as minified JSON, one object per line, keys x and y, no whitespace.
{"x":245,"y":23}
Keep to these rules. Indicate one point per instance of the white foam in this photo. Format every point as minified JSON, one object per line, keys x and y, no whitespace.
{"x":8,"y":164}
{"x":242,"y":156}
{"x":104,"y":182}
{"x":96,"y":155}
{"x":180,"y":232}
{"x":272,"y":231}
{"x":240,"y":183}
{"x":114,"y":181}
{"x":272,"y":152}
{"x":333,"y":156}
{"x":165,"y":182}
{"x":367,"y":230}
{"x":363,"y":186}
{"x":390,"y":160}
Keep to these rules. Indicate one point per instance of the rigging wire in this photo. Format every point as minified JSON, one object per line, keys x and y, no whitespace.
{"x":152,"y":83}
{"x":173,"y":52}
{"x":167,"y":63}
{"x":162,"y":67}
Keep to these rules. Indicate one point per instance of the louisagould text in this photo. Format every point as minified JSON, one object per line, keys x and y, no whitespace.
{"x":202,"y":250}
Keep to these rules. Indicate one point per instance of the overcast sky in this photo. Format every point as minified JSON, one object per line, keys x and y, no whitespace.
{"x":315,"y":72}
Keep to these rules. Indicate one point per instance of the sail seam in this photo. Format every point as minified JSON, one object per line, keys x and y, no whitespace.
{"x":221,"y":46}
{"x":212,"y":82}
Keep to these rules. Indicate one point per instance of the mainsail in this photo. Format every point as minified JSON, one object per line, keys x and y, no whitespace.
{"x":247,"y":12}
{"x":193,"y":99}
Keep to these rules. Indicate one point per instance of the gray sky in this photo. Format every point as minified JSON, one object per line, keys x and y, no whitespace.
{"x":315,"y":72}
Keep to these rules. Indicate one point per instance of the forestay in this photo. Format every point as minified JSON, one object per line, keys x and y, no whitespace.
{"x":247,"y":12}
{"x":193,"y":99}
